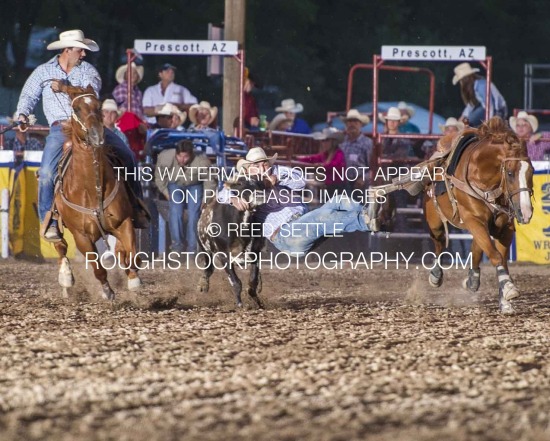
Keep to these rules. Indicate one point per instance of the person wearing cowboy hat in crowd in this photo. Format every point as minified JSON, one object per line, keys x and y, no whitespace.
{"x":407,"y":112}
{"x":44,"y":82}
{"x":164,"y":115}
{"x":526,"y":126}
{"x":287,"y":224}
{"x":120,"y":92}
{"x":280,"y":123}
{"x":472,"y":90}
{"x":331,"y":158}
{"x":203,"y":116}
{"x":179,"y":176}
{"x":357,"y":150}
{"x":110,"y":113}
{"x":178,"y":118}
{"x":290,"y":109}
{"x":166,"y":91}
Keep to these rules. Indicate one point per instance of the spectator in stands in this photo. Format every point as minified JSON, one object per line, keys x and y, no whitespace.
{"x":251,"y":114}
{"x":395,"y":148}
{"x":164,"y":116}
{"x":526,"y":126}
{"x":472,"y":90}
{"x":110,"y":113}
{"x":120,"y":92}
{"x":135,"y":130}
{"x":178,"y":118}
{"x":407,"y":112}
{"x":290,"y":109}
{"x":451,"y":127}
{"x":331,"y":158}
{"x":166,"y":91}
{"x":203,"y":116}
{"x":281,"y":123}
{"x":357,"y":150}
{"x":177,"y":176}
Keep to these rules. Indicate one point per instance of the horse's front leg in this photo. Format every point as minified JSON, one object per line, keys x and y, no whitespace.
{"x":87,"y":247}
{"x":254,"y":279}
{"x":65,"y":277}
{"x":437,"y":233}
{"x":507,"y":290}
{"x":127,"y":253}
{"x":473,"y":280}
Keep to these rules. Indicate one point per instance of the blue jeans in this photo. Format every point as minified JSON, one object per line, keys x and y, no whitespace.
{"x":334,"y":217}
{"x":476,"y":116}
{"x":181,"y":197}
{"x":52,"y":154}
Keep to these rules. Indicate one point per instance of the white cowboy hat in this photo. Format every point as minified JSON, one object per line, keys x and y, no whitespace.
{"x":120,"y":74}
{"x":452,"y":122}
{"x":354,"y":114}
{"x":74,"y":38}
{"x":289,"y":105}
{"x":169,"y":109}
{"x":202,"y":105}
{"x":531,"y":119}
{"x":404,"y":107}
{"x":257,"y":154}
{"x":110,"y":104}
{"x":279,"y":118}
{"x":328,"y":133}
{"x":463,"y":70}
{"x":393,"y":114}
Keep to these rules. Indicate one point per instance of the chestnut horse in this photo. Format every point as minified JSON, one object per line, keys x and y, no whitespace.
{"x":491,"y":185}
{"x":89,"y":199}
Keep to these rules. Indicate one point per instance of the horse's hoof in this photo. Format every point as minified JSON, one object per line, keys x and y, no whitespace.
{"x":65,"y":294}
{"x":203,"y":287}
{"x":239,"y":305}
{"x":66,"y":280}
{"x":506,"y":307}
{"x":509,"y":291}
{"x":65,"y":277}
{"x":134,"y":284}
{"x":435,"y":281}
{"x":107,"y":293}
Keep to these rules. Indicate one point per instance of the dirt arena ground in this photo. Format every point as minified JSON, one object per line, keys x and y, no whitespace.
{"x":336,"y":355}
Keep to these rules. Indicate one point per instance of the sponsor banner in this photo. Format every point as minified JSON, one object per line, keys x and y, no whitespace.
{"x":533,"y":239}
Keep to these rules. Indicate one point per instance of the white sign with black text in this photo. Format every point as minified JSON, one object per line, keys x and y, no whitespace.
{"x":186,"y":47}
{"x":434,"y":53}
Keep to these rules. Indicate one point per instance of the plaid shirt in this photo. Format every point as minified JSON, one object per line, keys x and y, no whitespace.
{"x":537,"y":149}
{"x":120,"y":94}
{"x":57,"y":106}
{"x":357,"y":152}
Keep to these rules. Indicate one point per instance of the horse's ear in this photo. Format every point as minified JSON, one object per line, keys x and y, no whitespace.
{"x":90,"y":89}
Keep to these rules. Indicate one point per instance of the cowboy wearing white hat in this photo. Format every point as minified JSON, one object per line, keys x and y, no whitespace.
{"x":525,"y":124}
{"x":357,"y":150}
{"x":67,"y":66}
{"x":393,"y":114}
{"x":407,"y":112}
{"x":74,"y":38}
{"x":120,"y":92}
{"x":110,"y":113}
{"x":289,"y":108}
{"x":165,"y":115}
{"x":280,"y":123}
{"x":473,"y":93}
{"x":354,"y":115}
{"x":256,"y":155}
{"x":451,"y":123}
{"x":203,"y":115}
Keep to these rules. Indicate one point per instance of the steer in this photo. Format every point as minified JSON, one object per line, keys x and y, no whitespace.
{"x":229,"y":235}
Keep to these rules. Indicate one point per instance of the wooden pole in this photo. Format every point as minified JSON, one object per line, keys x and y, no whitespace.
{"x":234,"y":29}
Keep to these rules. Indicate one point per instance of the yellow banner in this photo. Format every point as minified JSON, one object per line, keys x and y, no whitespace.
{"x":533,"y":239}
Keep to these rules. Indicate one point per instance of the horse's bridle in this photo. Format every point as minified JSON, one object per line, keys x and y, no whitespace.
{"x":504,"y":181}
{"x":73,"y":113}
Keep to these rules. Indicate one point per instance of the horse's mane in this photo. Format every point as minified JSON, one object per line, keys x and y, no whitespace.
{"x":498,"y":131}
